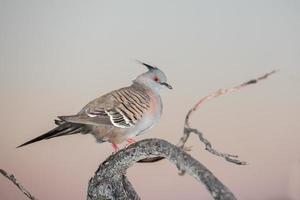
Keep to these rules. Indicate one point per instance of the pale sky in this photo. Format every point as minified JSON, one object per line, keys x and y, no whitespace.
{"x":56,"y":56}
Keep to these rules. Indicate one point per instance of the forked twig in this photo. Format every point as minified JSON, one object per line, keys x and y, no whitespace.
{"x":208,"y":145}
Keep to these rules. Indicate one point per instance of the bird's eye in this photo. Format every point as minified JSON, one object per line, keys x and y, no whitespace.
{"x":156,"y":79}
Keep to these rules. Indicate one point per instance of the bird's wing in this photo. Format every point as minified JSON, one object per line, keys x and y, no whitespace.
{"x":85,"y":119}
{"x":131,"y":105}
{"x":121,"y":108}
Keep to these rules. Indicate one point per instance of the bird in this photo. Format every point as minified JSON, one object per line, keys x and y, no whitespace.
{"x":119,"y":115}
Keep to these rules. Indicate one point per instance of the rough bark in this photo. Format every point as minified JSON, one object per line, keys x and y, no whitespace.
{"x":110,"y":180}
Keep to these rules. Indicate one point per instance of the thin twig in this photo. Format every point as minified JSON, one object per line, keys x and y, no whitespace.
{"x":13,"y":179}
{"x":208,"y":145}
{"x":221,"y":92}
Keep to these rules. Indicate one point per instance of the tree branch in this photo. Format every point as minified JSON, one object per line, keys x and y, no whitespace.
{"x":208,"y":145}
{"x":110,"y":182}
{"x":13,"y":179}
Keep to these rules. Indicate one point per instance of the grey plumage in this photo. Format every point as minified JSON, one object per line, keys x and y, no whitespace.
{"x":118,"y":115}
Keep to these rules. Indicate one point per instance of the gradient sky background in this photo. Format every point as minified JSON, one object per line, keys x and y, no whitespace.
{"x":55,"y":56}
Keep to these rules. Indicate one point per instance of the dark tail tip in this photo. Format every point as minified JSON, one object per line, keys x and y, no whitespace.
{"x":26,"y":143}
{"x":39,"y":138}
{"x":21,"y":145}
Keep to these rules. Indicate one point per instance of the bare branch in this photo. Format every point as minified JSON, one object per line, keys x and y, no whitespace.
{"x":208,"y":145}
{"x":221,"y":92}
{"x":111,"y":183}
{"x":13,"y":179}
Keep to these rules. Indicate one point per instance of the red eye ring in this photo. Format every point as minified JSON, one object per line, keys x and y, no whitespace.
{"x":156,"y":79}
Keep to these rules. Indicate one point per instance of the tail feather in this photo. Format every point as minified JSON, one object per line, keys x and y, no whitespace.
{"x":61,"y":130}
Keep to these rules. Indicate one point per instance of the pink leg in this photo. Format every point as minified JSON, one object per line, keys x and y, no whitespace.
{"x":130,"y":141}
{"x":115,"y":146}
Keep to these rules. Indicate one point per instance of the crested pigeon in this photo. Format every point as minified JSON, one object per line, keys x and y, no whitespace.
{"x":118,"y":115}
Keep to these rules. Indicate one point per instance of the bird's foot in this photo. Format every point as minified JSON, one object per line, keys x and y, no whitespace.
{"x":129,"y":142}
{"x":115,"y":146}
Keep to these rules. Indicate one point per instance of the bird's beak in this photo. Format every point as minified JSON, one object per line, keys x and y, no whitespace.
{"x":167,"y":85}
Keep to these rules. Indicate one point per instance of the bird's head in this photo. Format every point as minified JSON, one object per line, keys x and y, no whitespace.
{"x":154,"y":78}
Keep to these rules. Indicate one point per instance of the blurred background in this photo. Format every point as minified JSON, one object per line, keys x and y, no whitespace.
{"x":56,"y":56}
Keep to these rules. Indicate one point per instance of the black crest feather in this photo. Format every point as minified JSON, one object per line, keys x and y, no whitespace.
{"x":150,"y":67}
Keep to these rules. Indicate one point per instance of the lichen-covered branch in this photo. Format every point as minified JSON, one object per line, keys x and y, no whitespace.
{"x":13,"y":179}
{"x":110,"y":180}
